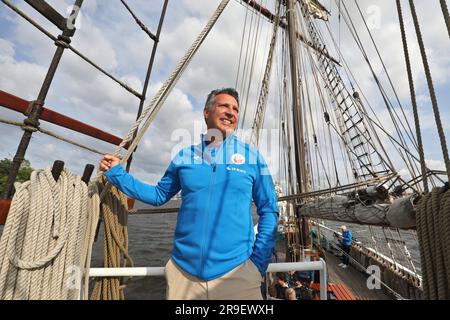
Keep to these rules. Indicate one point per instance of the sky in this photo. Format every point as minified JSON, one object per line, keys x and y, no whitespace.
{"x":107,"y":34}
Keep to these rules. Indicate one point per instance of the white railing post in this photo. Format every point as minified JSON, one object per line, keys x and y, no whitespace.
{"x":323,"y":281}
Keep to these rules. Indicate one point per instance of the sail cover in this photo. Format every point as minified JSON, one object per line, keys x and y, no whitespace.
{"x":399,"y":214}
{"x":316,"y":9}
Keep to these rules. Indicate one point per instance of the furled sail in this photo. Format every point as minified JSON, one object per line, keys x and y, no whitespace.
{"x":316,"y":9}
{"x":398,"y":214}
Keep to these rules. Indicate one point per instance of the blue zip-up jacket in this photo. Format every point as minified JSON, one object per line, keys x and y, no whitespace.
{"x":214,"y":230}
{"x":347,"y":238}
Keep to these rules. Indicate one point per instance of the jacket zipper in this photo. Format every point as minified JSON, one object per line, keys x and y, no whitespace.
{"x":211,"y":184}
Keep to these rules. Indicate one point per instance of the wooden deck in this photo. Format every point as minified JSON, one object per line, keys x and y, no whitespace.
{"x":353,"y":279}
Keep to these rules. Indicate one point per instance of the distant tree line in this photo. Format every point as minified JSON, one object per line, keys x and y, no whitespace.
{"x":5,"y":166}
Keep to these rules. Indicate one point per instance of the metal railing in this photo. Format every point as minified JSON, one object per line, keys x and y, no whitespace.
{"x":321,"y":266}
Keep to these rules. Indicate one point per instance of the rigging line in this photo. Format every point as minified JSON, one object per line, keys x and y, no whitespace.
{"x":252,"y":35}
{"x":244,"y":70}
{"x":68,"y":46}
{"x":446,"y":16}
{"x":408,"y":166}
{"x":384,"y":66}
{"x":261,"y":105}
{"x":304,"y":95}
{"x":250,"y":76}
{"x":322,"y":102}
{"x":389,"y":245}
{"x":431,"y":88}
{"x":30,"y":20}
{"x":393,"y":140}
{"x":263,"y":84}
{"x":367,"y":141}
{"x":336,"y":76}
{"x":155,"y":105}
{"x":386,"y":99}
{"x":149,"y":68}
{"x":347,"y":71}
{"x":407,"y":253}
{"x":139,"y":22}
{"x":50,"y":133}
{"x":351,"y":151}
{"x":307,"y":89}
{"x":242,"y":47}
{"x":341,"y":57}
{"x":312,"y":123}
{"x":323,"y":166}
{"x":288,"y":114}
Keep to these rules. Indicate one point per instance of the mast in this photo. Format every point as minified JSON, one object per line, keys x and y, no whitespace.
{"x":299,"y":143}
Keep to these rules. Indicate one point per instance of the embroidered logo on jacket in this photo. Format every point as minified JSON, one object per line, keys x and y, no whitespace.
{"x":237,"y":158}
{"x":236,"y":169}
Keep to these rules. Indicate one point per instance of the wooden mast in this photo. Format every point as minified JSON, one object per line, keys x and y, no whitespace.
{"x":299,"y":143}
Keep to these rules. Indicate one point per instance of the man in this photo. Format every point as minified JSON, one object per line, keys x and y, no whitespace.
{"x":215,"y":253}
{"x":346,"y":245}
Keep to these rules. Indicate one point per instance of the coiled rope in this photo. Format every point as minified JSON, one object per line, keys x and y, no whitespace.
{"x":115,"y":215}
{"x":46,"y":244}
{"x":433,"y":232}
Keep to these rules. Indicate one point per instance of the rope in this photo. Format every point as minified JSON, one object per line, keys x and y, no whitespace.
{"x":431,"y":88}
{"x":446,"y":16}
{"x":46,"y":244}
{"x":139,"y":22}
{"x":413,"y":97}
{"x":433,"y":231}
{"x":158,"y":100}
{"x":66,"y":45}
{"x":115,"y":215}
{"x":49,"y":133}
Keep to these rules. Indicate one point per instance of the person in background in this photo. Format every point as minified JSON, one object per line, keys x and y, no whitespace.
{"x":346,"y":245}
{"x":281,"y":285}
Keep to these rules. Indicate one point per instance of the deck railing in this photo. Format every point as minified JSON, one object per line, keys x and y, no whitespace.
{"x":321,"y":266}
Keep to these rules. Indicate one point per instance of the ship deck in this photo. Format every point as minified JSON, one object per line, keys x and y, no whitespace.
{"x":353,"y":279}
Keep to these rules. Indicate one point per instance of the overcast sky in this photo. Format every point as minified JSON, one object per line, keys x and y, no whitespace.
{"x":108,"y":35}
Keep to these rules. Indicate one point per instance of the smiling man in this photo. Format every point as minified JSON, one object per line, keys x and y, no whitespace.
{"x":215,"y":252}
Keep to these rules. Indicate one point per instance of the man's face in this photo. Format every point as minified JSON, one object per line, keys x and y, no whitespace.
{"x":223,"y":114}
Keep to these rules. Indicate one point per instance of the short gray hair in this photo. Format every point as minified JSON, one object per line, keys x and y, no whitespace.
{"x":211,"y":96}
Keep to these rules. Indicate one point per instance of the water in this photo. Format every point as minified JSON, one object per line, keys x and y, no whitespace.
{"x":150,"y":245}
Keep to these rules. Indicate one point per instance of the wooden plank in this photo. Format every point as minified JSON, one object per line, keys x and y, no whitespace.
{"x":347,"y":292}
{"x":341,"y":292}
{"x":12,"y":102}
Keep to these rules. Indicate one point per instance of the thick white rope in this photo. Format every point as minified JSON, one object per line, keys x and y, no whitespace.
{"x":47,"y":240}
